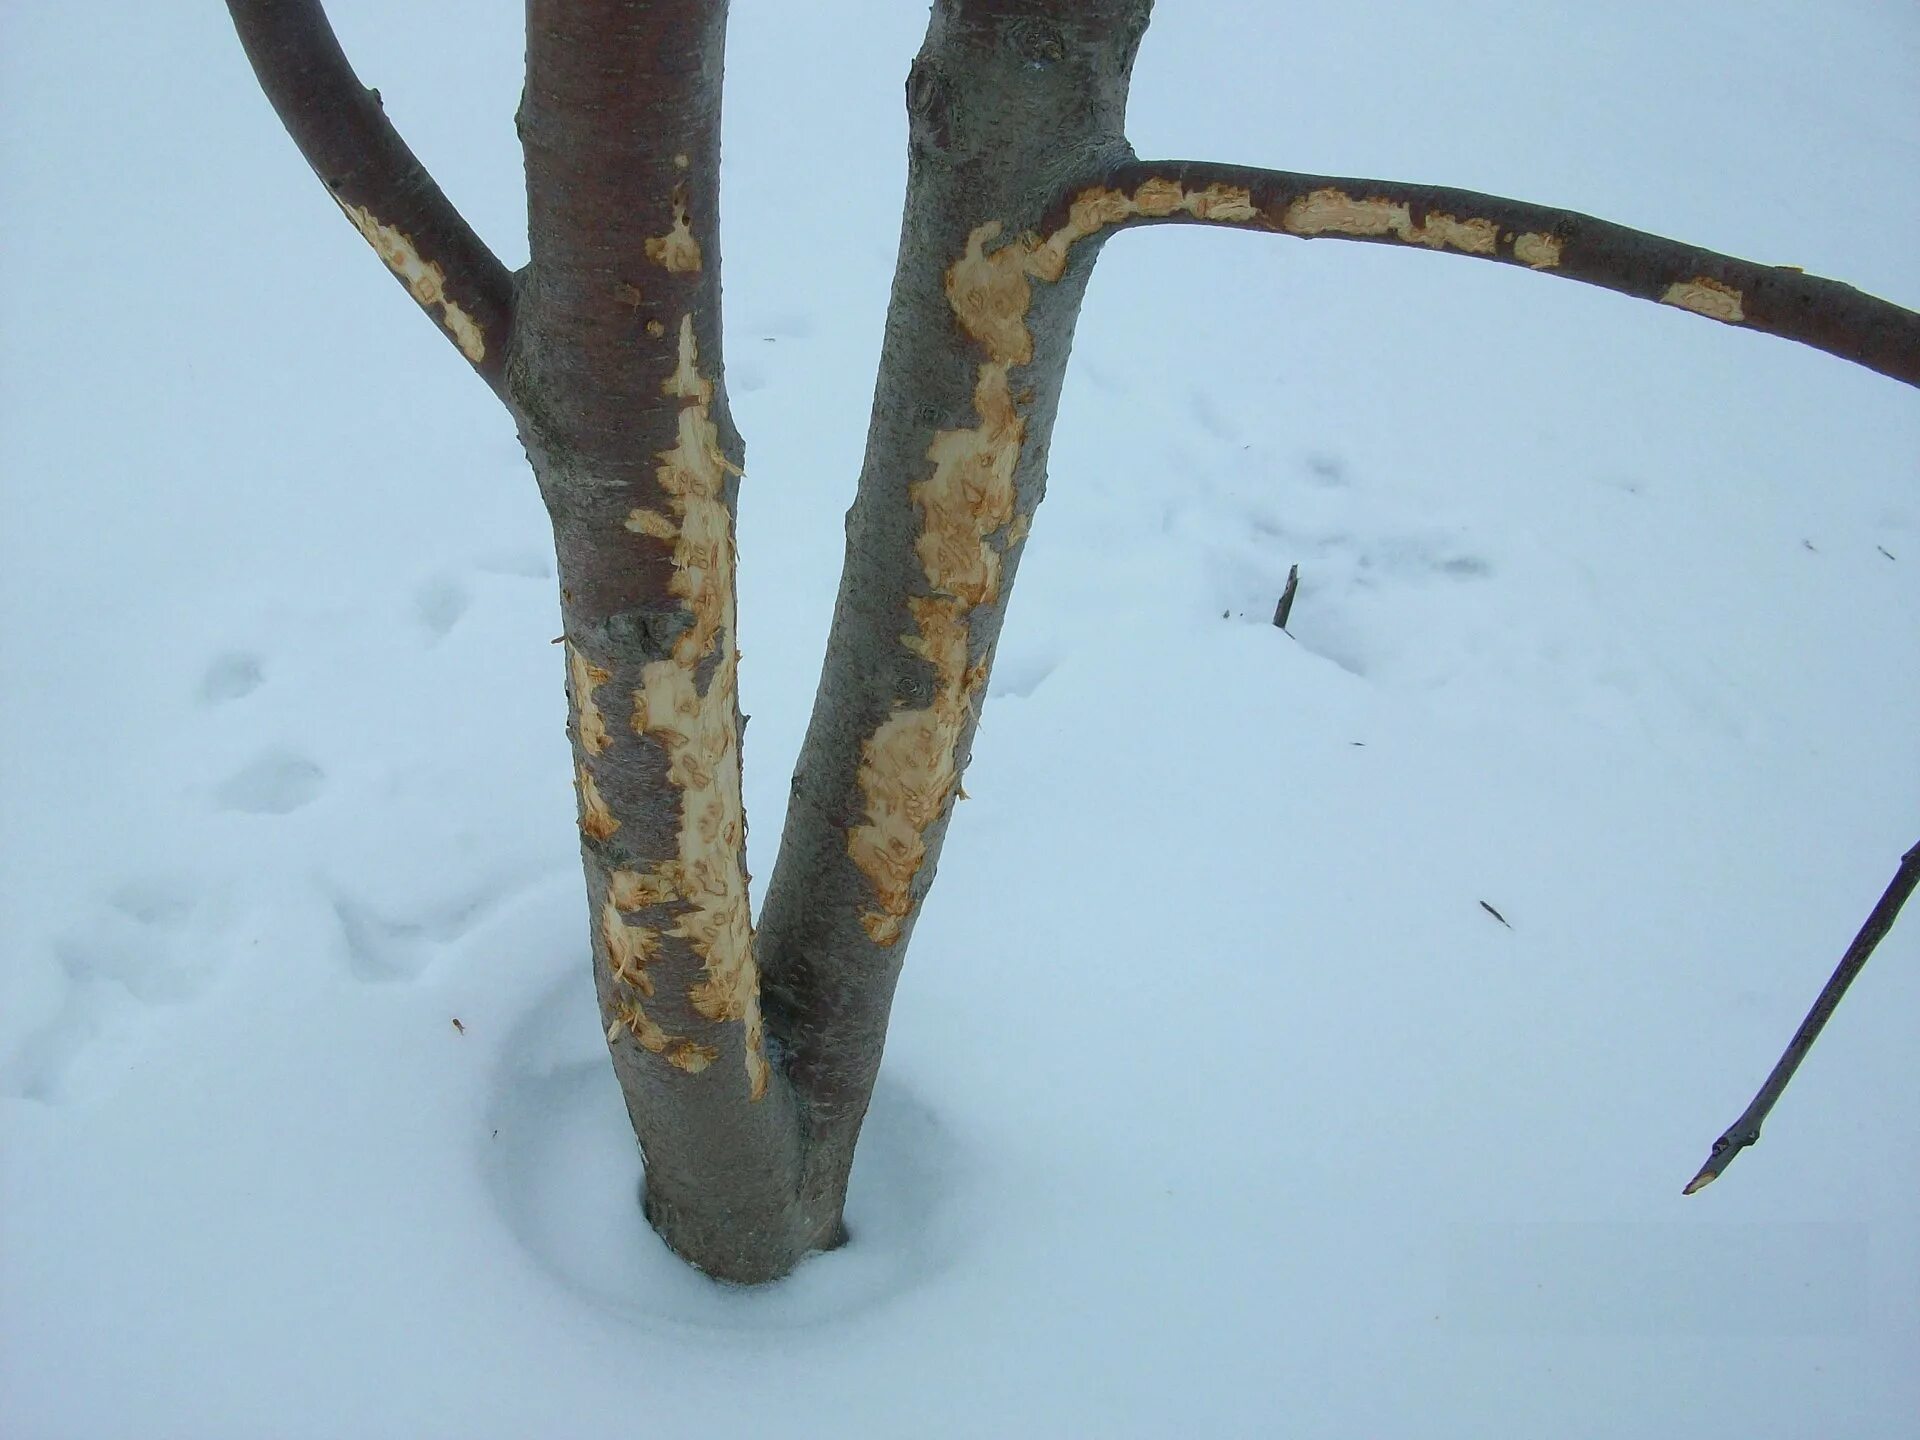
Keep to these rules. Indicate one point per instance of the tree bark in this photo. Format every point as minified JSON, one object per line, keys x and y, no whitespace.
{"x":1780,"y":300}
{"x":616,"y":375}
{"x":373,"y":177}
{"x":1010,"y":102}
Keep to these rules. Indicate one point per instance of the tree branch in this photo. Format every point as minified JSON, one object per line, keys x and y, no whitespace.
{"x":376,"y":180}
{"x":1773,"y":299}
{"x":1746,"y":1130}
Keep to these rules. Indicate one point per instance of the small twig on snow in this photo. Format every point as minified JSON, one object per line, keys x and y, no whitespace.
{"x":1285,"y":607}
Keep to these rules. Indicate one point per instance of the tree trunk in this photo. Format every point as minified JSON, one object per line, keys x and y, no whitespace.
{"x":1011,"y":103}
{"x":616,"y":376}
{"x":748,"y":1122}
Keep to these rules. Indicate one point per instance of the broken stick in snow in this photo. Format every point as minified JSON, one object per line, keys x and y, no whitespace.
{"x":1285,"y":607}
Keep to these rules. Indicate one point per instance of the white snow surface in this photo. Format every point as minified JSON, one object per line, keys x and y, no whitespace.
{"x":1215,"y":1102}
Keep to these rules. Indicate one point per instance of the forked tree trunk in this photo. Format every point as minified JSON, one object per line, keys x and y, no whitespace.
{"x":747,"y":1068}
{"x":747,"y":1095}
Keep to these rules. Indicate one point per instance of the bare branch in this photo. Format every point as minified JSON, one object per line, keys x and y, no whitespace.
{"x":1773,"y":299}
{"x":1746,"y":1130}
{"x":376,"y":180}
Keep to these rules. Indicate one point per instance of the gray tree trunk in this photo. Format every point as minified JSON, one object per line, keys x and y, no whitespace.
{"x":1011,"y":105}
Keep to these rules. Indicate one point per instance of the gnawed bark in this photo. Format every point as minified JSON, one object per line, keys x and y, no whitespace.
{"x":616,"y":375}
{"x":1777,"y":300}
{"x":367,"y":168}
{"x":1010,"y":100}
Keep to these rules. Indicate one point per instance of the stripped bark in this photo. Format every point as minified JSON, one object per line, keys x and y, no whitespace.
{"x":1009,"y":100}
{"x":616,"y":376}
{"x":747,"y":1063}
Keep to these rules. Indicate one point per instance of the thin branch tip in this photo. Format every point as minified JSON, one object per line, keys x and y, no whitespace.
{"x":1746,"y":1130}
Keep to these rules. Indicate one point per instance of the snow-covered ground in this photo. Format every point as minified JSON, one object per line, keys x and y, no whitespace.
{"x":1215,"y":1103}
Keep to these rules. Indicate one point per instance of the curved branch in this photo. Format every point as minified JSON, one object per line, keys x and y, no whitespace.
{"x":376,"y":180}
{"x":1773,"y":299}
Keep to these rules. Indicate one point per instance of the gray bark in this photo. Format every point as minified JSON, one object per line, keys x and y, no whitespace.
{"x":1011,"y":105}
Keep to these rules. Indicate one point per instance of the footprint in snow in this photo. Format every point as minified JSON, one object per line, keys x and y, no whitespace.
{"x":439,"y":604}
{"x":276,"y":783}
{"x":231,"y":676}
{"x":1208,"y":417}
{"x":382,"y":949}
{"x":140,"y":953}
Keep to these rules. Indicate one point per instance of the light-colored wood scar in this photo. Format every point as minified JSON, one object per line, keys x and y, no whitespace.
{"x":703,"y":887}
{"x":425,"y":280}
{"x":630,"y":948}
{"x":676,"y":251}
{"x":596,"y":820}
{"x":583,"y":678}
{"x":1538,"y":249}
{"x":909,"y":767}
{"x":631,"y":1020}
{"x":1328,"y":211}
{"x":1708,"y":297}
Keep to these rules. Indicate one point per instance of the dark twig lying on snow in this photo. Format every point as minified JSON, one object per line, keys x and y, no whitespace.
{"x":1746,"y":1130}
{"x":1284,"y":610}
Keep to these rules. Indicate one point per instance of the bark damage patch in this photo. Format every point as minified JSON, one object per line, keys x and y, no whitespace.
{"x":677,"y":251}
{"x":424,"y":279}
{"x":596,"y":819}
{"x":1708,"y":297}
{"x":910,"y":767}
{"x":704,"y":887}
{"x":1330,"y":211}
{"x":583,"y":678}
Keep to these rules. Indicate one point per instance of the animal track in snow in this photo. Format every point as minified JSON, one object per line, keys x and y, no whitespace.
{"x":141,"y":952}
{"x":1208,"y":417}
{"x":439,"y":604}
{"x":381,"y":950}
{"x":275,"y":783}
{"x":230,"y":677}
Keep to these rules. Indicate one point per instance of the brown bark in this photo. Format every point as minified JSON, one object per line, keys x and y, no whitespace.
{"x":616,"y":373}
{"x":375,"y":179}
